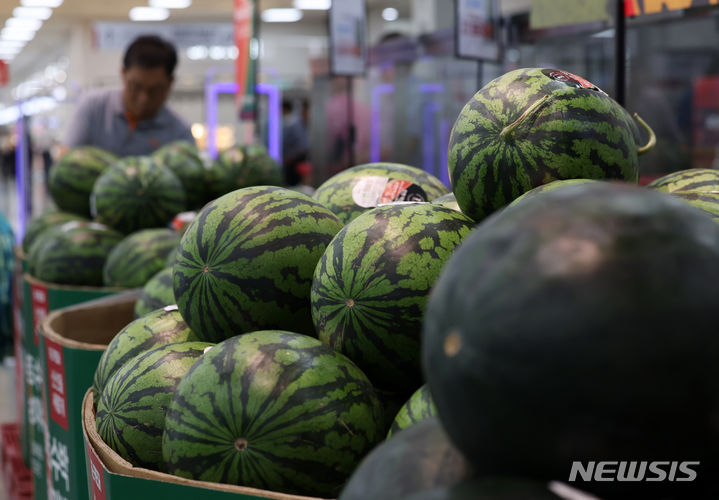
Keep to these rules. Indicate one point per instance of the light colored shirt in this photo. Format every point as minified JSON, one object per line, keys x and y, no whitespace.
{"x":100,"y":121}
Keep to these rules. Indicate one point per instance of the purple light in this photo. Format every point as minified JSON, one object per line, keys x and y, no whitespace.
{"x":375,"y":120}
{"x":274,"y":123}
{"x":20,"y":161}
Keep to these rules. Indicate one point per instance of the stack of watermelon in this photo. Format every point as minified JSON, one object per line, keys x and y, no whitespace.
{"x":241,"y":166}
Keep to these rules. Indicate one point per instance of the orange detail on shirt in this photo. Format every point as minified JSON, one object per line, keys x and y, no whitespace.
{"x":132,"y":123}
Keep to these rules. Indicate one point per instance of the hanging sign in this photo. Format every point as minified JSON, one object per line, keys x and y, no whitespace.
{"x":244,"y":29}
{"x":475,"y":31}
{"x":348,"y":37}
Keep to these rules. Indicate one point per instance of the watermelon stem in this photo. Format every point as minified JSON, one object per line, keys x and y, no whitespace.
{"x":507,"y":132}
{"x":652,"y":136}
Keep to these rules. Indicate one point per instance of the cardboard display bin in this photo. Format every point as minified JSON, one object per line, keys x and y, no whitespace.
{"x":110,"y":477}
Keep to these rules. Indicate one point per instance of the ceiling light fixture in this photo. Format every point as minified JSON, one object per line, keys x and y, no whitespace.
{"x":390,"y":14}
{"x":148,"y":14}
{"x":11,"y":44}
{"x":17,"y":34}
{"x":281,"y":15}
{"x":170,"y":4}
{"x":41,"y":13}
{"x":313,"y":4}
{"x":24,"y":23}
{"x":41,"y":3}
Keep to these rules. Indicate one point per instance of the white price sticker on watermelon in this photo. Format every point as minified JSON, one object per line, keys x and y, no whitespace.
{"x":372,"y":191}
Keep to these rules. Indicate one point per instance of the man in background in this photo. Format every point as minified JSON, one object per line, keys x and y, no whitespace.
{"x":132,"y":120}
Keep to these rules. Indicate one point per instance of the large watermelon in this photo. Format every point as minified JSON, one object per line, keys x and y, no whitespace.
{"x":532,"y":126}
{"x":156,"y":294}
{"x":416,"y":459}
{"x":183,"y":159}
{"x":272,"y":410}
{"x":693,"y":179}
{"x":72,"y":254}
{"x":131,"y":411}
{"x":72,"y":177}
{"x":160,"y":327}
{"x":542,"y":188}
{"x":581,"y":325}
{"x":246,"y":262}
{"x":371,"y":285}
{"x":242,"y":166}
{"x":46,"y":221}
{"x":138,"y":257}
{"x":137,"y":193}
{"x":418,"y":407}
{"x":363,"y":187}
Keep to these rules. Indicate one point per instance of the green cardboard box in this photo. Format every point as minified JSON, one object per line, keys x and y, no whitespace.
{"x":39,"y":299}
{"x":110,"y":477}
{"x":19,"y":352}
{"x":72,"y":341}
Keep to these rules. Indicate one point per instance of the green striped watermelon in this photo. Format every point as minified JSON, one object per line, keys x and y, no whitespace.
{"x":693,"y":179}
{"x":419,"y":407}
{"x":138,"y":257}
{"x":137,"y":193}
{"x":448,"y":200}
{"x":72,"y":177}
{"x":160,"y":327}
{"x":371,"y":285}
{"x":46,"y":221}
{"x":72,"y":254}
{"x":131,"y":412}
{"x":363,"y":187}
{"x":542,"y":188}
{"x":246,"y":262}
{"x":416,"y":459}
{"x":707,"y":201}
{"x":272,"y":410}
{"x":183,"y":159}
{"x":532,"y":126}
{"x":156,"y":294}
{"x":242,"y":166}
{"x":581,"y":323}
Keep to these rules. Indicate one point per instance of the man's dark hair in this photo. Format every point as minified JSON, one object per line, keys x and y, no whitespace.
{"x":151,"y":51}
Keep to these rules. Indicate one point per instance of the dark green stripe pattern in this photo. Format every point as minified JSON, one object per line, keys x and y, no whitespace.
{"x":547,"y":187}
{"x":138,"y":257}
{"x":137,"y":193}
{"x":246,"y":262}
{"x":420,"y":406}
{"x":707,"y":201}
{"x":575,"y":133}
{"x":242,"y":166}
{"x":272,"y":410}
{"x":336,"y":192}
{"x":72,"y":254}
{"x":72,"y":177}
{"x":156,"y":293}
{"x":693,"y":179}
{"x":371,"y":286}
{"x":160,"y":327}
{"x":131,"y":411}
{"x":182,"y":158}
{"x":45,"y":221}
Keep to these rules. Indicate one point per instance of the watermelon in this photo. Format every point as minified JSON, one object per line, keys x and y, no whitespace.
{"x":156,"y":294}
{"x":183,"y":159}
{"x":131,"y":412}
{"x":419,"y":407}
{"x":370,"y":287}
{"x":363,"y":187}
{"x":547,"y":187}
{"x":242,"y":166}
{"x":246,"y":262}
{"x":416,"y":459}
{"x":72,"y":177}
{"x":137,"y":193}
{"x":46,"y":221}
{"x":160,"y":327}
{"x":272,"y":410}
{"x":72,"y":254}
{"x":532,"y":126}
{"x":581,"y":325}
{"x":448,"y":200}
{"x":707,"y":201}
{"x":138,"y":257}
{"x":693,"y":179}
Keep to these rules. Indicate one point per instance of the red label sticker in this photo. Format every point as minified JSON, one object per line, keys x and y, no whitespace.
{"x":571,"y":79}
{"x":56,"y":383}
{"x":97,"y":483}
{"x":372,"y":191}
{"x":39,"y":308}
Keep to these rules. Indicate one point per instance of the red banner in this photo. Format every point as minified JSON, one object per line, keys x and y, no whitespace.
{"x":56,"y":383}
{"x":96,"y":480}
{"x":243,"y":18}
{"x":39,"y":308}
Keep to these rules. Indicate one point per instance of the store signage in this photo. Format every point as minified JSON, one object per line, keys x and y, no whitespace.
{"x":639,"y":7}
{"x":552,"y":13}
{"x":244,"y":32}
{"x":474,"y":30}
{"x":56,"y":381}
{"x":118,"y":35}
{"x":348,"y":37}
